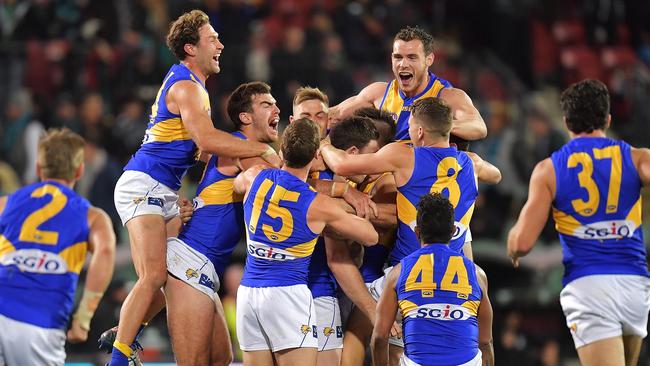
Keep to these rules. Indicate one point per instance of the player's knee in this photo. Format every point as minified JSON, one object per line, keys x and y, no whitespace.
{"x":154,"y":278}
{"x":223,"y":358}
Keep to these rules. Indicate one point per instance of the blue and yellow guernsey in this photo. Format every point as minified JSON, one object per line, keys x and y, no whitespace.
{"x":398,"y":104}
{"x":374,"y":257}
{"x":278,"y":240}
{"x":597,"y":209}
{"x":218,"y":220}
{"x":44,"y":238}
{"x":444,"y":170}
{"x":168,"y":150}
{"x":320,"y":279}
{"x":438,"y":295}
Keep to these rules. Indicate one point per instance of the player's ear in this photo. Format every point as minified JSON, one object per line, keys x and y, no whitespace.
{"x":291,"y":119}
{"x":352,"y":150}
{"x":80,"y":171}
{"x":420,"y":132}
{"x":417,"y":232}
{"x":608,"y":122}
{"x":245,"y":118}
{"x":189,"y":49}
{"x":429,"y":59}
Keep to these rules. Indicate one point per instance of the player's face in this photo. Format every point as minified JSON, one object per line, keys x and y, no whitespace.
{"x":265,"y":116}
{"x":370,"y":148}
{"x":208,"y":50}
{"x":410,"y":64}
{"x":314,"y":110}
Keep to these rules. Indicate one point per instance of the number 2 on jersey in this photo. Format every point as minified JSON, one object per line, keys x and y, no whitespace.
{"x":586,"y":180}
{"x":273,"y":210}
{"x":423,"y":269}
{"x":29,"y":231}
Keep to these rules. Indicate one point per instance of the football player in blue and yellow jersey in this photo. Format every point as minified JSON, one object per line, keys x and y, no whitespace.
{"x":412,"y":57}
{"x":283,"y":216}
{"x":441,"y":295}
{"x":180,"y":127}
{"x":46,"y":230}
{"x":593,"y":186}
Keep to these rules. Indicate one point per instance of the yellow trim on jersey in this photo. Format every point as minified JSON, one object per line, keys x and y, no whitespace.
{"x":368,"y":188}
{"x":75,"y":256}
{"x":468,"y":216}
{"x":635,"y":213}
{"x":472,"y":306}
{"x":565,"y":223}
{"x":304,"y":249}
{"x":6,"y":246}
{"x":394,"y":102}
{"x":406,"y":212}
{"x":169,"y":130}
{"x":406,"y":307}
{"x":220,"y":193}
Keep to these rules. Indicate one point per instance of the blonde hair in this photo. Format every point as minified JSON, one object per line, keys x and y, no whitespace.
{"x":308,"y":93}
{"x":60,"y":153}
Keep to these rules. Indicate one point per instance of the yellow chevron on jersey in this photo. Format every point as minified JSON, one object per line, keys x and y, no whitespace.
{"x":220,"y":193}
{"x":303,"y":250}
{"x":75,"y":256}
{"x":5,"y":246}
{"x":169,"y":130}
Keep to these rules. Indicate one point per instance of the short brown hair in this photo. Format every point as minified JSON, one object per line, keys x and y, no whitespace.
{"x":412,"y":33}
{"x":434,"y":115}
{"x":300,"y":141}
{"x":353,"y":131}
{"x":241,"y":100}
{"x":381,"y":119}
{"x":60,"y":153}
{"x":185,"y":30}
{"x":308,"y":93}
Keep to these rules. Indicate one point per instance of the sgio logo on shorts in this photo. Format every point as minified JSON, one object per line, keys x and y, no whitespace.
{"x":602,"y":230}
{"x":35,"y":261}
{"x":264,"y":251}
{"x":441,"y":312}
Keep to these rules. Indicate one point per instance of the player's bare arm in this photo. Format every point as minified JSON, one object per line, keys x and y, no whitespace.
{"x":534,"y":214}
{"x":641,"y":159}
{"x":390,"y":158}
{"x":485,"y":318}
{"x":243,"y":181}
{"x":186,"y":97}
{"x":484,"y":170}
{"x":384,"y":318}
{"x":468,"y":123}
{"x":370,"y":96}
{"x":361,"y":202}
{"x":101,"y":243}
{"x":325,"y":211}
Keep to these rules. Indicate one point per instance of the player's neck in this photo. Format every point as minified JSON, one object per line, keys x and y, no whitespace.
{"x":595,"y":133}
{"x":420,"y":88}
{"x":195,"y":70}
{"x":427,"y":141}
{"x":300,"y":173}
{"x":60,"y":181}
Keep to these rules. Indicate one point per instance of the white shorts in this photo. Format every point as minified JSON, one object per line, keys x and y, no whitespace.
{"x":605,"y":306}
{"x":27,"y":344}
{"x":192,"y":267}
{"x":476,"y":361}
{"x":137,"y":194}
{"x":276,"y":318}
{"x":328,"y":320}
{"x":376,"y":289}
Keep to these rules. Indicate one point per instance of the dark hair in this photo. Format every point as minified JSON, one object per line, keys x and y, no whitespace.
{"x":435,"y":219}
{"x":241,"y":100}
{"x":185,"y":30}
{"x":410,"y":33}
{"x":461,"y":143}
{"x":353,"y":131}
{"x":380,"y":118}
{"x":585,"y":106}
{"x":434,"y":115}
{"x":300,"y":141}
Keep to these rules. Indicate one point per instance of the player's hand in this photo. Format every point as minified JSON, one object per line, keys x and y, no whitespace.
{"x":186,"y":209}
{"x":76,"y":334}
{"x":334,"y":117}
{"x":361,"y":202}
{"x":273,"y":159}
{"x":396,"y":330}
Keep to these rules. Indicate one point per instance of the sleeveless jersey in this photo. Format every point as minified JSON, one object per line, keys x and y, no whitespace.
{"x":597,"y":209}
{"x":215,"y":202}
{"x":279,"y":242}
{"x":167,"y":150}
{"x":445,"y":170}
{"x":438,"y":295}
{"x":320,"y":279}
{"x":44,"y":238}
{"x":374,"y":257}
{"x":398,"y":104}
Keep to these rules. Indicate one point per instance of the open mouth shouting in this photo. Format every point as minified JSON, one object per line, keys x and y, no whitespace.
{"x":405,"y":78}
{"x":273,"y":126}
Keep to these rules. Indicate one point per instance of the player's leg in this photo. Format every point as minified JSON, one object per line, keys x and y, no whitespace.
{"x":296,"y":356}
{"x":220,"y":347}
{"x":394,"y":354}
{"x":190,"y":315}
{"x":357,"y":333}
{"x":253,"y":341}
{"x":604,"y":352}
{"x":261,"y":358}
{"x":632,"y":348}
{"x":330,"y":331}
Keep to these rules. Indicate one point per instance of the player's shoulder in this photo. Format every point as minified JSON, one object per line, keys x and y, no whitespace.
{"x":374,"y":90}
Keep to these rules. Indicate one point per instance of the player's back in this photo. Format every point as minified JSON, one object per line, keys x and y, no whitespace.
{"x":168,"y":150}
{"x":278,"y":239}
{"x":398,"y":104}
{"x":444,"y":170}
{"x":217,"y":223}
{"x":42,"y":249}
{"x":597,"y":208}
{"x":438,"y":295}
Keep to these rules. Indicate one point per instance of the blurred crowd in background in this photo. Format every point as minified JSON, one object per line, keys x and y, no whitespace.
{"x":96,"y":66}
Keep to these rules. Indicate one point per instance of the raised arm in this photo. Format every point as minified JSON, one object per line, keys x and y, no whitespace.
{"x":368,"y":97}
{"x":384,"y":318}
{"x":389,"y":158}
{"x":534,"y":214}
{"x":101,"y":243}
{"x":189,"y":99}
{"x":485,"y":317}
{"x":484,"y":170}
{"x":468,"y":123}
